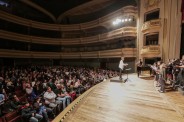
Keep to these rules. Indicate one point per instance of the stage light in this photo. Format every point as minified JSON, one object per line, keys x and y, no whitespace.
{"x":117,"y":21}
{"x":114,"y":23}
{"x":126,"y":20}
{"x":122,"y":20}
{"x":129,"y":19}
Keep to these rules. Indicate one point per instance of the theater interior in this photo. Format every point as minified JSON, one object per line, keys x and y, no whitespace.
{"x":91,"y":60}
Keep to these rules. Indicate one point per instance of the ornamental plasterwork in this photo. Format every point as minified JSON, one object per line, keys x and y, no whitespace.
{"x":151,"y":3}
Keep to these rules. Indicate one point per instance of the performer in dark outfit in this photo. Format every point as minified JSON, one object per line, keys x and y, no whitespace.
{"x":139,"y":67}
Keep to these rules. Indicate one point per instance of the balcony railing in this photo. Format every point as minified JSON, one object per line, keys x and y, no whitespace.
{"x":151,"y":25}
{"x":122,"y":32}
{"x":150,"y":50}
{"x":128,"y":10}
{"x":127,"y":52}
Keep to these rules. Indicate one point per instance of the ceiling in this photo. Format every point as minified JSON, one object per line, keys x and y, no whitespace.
{"x":64,"y":11}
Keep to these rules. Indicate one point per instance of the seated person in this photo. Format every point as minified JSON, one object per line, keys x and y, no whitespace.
{"x":16,"y":103}
{"x":2,"y":99}
{"x":29,"y":114}
{"x":49,"y":97}
{"x":42,"y":109}
{"x":62,"y":95}
{"x":30,"y":92}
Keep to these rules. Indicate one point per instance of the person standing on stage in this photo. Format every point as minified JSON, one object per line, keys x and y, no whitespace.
{"x":139,"y":67}
{"x":121,"y":67}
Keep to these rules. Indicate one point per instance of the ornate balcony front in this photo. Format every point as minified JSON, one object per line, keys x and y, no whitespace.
{"x":127,"y":10}
{"x":150,"y":50}
{"x":152,"y":25}
{"x":127,"y":52}
{"x":122,"y":32}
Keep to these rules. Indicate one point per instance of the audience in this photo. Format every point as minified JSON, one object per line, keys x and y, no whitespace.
{"x":42,"y":92}
{"x":28,"y":113}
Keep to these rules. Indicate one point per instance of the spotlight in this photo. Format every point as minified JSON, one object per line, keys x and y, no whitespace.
{"x":117,"y":21}
{"x":126,"y":20}
{"x":122,"y":20}
{"x":129,"y":19}
{"x":114,"y":23}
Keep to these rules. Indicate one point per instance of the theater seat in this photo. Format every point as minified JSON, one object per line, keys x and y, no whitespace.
{"x":13,"y":117}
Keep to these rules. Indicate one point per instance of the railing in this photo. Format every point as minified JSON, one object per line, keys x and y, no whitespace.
{"x":150,"y":25}
{"x":150,"y":49}
{"x":122,"y":32}
{"x":71,"y":107}
{"x":128,"y":10}
{"x":127,"y":52}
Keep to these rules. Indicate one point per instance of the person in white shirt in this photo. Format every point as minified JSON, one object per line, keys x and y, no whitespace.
{"x":121,"y":67}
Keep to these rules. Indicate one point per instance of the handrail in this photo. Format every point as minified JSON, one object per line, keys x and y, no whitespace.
{"x":125,"y":31}
{"x":127,"y":52}
{"x":151,"y":25}
{"x":69,"y":108}
{"x":128,"y":10}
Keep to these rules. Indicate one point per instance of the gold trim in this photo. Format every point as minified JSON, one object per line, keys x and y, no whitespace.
{"x":68,"y":109}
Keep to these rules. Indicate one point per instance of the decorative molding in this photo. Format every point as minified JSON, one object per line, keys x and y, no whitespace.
{"x":151,"y":25}
{"x":127,"y":10}
{"x":150,"y":50}
{"x":128,"y":52}
{"x":127,"y":31}
{"x":151,"y":3}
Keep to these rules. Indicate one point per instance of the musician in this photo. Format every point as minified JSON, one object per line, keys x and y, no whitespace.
{"x":160,"y":73}
{"x":121,"y":67}
{"x":139,"y":67}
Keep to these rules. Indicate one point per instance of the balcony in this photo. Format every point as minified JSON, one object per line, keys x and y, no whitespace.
{"x":150,"y":50}
{"x":122,"y":32}
{"x":128,"y":10}
{"x":127,"y":52}
{"x":153,"y":25}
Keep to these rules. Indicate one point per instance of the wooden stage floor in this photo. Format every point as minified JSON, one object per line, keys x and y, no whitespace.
{"x":134,"y":101}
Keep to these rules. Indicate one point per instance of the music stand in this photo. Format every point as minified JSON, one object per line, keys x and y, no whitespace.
{"x":128,"y":69}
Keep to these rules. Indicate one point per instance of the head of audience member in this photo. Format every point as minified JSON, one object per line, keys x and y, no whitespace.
{"x":28,"y":85}
{"x":15,"y":98}
{"x":182,"y":58}
{"x":49,"y":89}
{"x":27,"y":104}
{"x":58,"y":86}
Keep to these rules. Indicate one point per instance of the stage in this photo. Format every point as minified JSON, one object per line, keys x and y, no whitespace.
{"x":136,"y":100}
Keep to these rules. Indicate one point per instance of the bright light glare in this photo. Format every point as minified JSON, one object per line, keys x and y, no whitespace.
{"x":126,"y":20}
{"x":122,"y":20}
{"x":117,"y":21}
{"x":129,"y":19}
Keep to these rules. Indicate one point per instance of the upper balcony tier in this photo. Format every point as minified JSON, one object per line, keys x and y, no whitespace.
{"x":103,"y":21}
{"x":122,"y":32}
{"x":127,"y":52}
{"x":152,"y":25}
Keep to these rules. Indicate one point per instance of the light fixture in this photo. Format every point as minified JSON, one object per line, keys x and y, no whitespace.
{"x":117,"y":21}
{"x":126,"y":20}
{"x":122,"y":20}
{"x":129,"y":19}
{"x":114,"y":23}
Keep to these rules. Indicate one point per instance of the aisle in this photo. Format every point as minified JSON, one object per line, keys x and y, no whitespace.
{"x":133,"y":101}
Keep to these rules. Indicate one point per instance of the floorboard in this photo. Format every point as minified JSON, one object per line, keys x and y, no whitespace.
{"x":134,"y":101}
